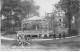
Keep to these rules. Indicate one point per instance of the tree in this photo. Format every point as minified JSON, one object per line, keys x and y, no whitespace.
{"x":15,"y":10}
{"x":71,"y":8}
{"x":31,"y":8}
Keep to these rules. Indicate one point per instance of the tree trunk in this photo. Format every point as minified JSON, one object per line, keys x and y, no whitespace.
{"x":69,"y":15}
{"x":77,"y":23}
{"x":69,"y":31}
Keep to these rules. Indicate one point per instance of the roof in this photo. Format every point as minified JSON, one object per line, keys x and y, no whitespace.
{"x":36,"y":18}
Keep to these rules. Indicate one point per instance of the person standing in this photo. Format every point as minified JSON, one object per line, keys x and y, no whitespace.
{"x":63,"y":35}
{"x":54,"y":36}
{"x":60,"y":35}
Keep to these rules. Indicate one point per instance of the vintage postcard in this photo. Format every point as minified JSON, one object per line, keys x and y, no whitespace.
{"x":40,"y":25}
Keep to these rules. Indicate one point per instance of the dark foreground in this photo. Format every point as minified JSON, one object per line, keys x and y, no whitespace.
{"x":71,"y":44}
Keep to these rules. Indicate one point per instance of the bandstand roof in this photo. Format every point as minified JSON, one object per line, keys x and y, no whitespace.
{"x":32,"y":19}
{"x":36,"y":18}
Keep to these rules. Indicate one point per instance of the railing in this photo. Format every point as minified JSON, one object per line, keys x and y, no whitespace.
{"x":34,"y":32}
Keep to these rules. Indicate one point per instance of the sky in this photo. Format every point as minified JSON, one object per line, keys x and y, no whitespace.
{"x":45,"y":6}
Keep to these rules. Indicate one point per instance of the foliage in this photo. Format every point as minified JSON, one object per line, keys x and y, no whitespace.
{"x":74,"y":32}
{"x":17,"y":10}
{"x":71,"y":8}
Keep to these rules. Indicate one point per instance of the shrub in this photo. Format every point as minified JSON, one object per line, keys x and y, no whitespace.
{"x":74,"y":32}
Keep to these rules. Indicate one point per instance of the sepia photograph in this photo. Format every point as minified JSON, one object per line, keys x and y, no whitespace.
{"x":40,"y":25}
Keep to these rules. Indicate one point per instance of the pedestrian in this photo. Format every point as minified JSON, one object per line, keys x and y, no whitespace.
{"x":54,"y":36}
{"x":63,"y":35}
{"x":19,"y":40}
{"x":59,"y":35}
{"x":26,"y":42}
